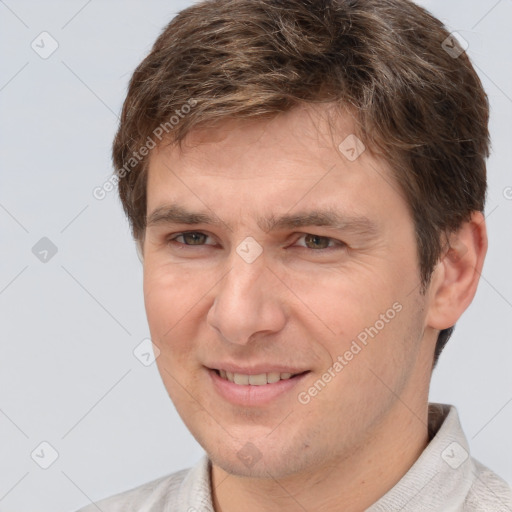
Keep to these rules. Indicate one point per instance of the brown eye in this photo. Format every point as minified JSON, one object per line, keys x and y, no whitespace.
{"x":192,"y":238}
{"x":316,"y":242}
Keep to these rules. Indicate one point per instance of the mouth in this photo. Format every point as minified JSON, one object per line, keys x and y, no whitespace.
{"x":260,"y":379}
{"x":255,"y":389}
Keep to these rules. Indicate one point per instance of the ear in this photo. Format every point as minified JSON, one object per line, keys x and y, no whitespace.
{"x":455,"y":278}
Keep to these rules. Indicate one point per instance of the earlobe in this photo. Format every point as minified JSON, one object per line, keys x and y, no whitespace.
{"x":455,"y":279}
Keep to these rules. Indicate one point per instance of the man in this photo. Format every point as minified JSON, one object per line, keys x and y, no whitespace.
{"x":305,"y":181}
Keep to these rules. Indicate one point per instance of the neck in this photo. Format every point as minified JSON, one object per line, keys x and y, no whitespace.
{"x":352,"y":484}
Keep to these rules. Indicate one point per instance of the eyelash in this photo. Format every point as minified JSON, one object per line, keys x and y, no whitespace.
{"x":338,"y":244}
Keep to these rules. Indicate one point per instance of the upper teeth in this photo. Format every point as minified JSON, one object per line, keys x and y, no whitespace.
{"x":254,"y":380}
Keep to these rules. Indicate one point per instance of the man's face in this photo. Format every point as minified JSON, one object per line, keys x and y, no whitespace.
{"x":307,"y":266}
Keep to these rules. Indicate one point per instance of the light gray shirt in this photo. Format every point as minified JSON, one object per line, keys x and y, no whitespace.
{"x":444,"y":478}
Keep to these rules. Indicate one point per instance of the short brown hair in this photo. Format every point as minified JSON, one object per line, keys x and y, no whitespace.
{"x":418,"y":105}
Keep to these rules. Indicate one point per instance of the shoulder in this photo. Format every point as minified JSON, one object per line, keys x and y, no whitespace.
{"x":488,"y":492}
{"x":156,"y":492}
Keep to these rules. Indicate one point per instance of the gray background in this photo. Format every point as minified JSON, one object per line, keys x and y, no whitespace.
{"x":68,"y":375}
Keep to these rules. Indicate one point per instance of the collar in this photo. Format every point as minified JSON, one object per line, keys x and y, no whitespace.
{"x":441,"y":477}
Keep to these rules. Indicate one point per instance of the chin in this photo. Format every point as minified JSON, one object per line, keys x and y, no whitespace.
{"x":252,"y":460}
{"x":274,"y":468}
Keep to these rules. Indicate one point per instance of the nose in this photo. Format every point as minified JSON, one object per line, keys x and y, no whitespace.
{"x":247,"y":303}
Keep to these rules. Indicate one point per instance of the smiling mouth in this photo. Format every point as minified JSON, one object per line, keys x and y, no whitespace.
{"x":260,"y":379}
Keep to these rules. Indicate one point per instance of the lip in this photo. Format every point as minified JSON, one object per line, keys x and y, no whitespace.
{"x":253,"y":396}
{"x":255,"y":369}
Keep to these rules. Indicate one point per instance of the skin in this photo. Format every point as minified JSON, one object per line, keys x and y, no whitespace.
{"x":299,"y":304}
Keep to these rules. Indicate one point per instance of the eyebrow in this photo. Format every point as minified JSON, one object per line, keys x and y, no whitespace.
{"x":330,"y":218}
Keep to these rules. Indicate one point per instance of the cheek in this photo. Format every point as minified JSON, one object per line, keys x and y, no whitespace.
{"x":171,"y":288}
{"x":342,"y":302}
{"x":364,"y":315}
{"x":172,"y":298}
{"x":171,"y":303}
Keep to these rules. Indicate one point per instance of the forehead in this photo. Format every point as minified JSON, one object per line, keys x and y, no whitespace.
{"x":306,"y":134}
{"x":306,"y":156}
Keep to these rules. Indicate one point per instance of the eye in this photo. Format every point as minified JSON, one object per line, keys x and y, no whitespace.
{"x":190,"y":238}
{"x":317,"y":242}
{"x":310,"y":241}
